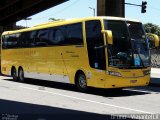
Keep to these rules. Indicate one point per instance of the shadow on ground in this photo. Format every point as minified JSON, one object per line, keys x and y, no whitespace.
{"x":155,"y":82}
{"x":99,"y":92}
{"x":152,"y":87}
{"x":11,"y":110}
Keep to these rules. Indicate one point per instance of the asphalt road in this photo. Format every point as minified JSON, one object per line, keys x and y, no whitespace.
{"x":41,"y":100}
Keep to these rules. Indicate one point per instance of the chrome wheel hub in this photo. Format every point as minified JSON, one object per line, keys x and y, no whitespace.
{"x":82,"y":82}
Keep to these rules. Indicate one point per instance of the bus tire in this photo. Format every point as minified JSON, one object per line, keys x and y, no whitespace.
{"x":81,"y":81}
{"x":21,"y":75}
{"x":14,"y":73}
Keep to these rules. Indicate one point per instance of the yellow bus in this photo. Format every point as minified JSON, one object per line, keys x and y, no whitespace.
{"x":101,"y":52}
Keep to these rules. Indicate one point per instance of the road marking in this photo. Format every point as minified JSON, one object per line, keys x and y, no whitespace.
{"x":91,"y":101}
{"x":144,"y":91}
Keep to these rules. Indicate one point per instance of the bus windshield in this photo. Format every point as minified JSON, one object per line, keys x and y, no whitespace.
{"x":130,"y":47}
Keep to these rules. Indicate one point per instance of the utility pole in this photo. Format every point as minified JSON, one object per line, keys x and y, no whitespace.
{"x":26,"y":20}
{"x":94,"y":10}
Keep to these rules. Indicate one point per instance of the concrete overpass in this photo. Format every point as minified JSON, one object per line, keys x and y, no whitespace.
{"x":15,"y":10}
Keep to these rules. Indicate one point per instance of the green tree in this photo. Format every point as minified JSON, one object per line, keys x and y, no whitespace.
{"x":152,"y":28}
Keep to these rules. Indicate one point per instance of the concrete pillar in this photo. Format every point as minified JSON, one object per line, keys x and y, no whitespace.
{"x":111,"y":8}
{"x":1,"y":29}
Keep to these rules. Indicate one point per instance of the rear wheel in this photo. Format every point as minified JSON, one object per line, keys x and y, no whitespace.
{"x":21,"y":75}
{"x":14,"y":74}
{"x":81,"y":82}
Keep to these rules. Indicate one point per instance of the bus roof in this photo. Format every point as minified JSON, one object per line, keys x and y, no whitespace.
{"x":64,"y":22}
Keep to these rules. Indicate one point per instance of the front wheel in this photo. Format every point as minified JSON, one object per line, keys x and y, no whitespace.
{"x":81,"y":82}
{"x":21,"y":75}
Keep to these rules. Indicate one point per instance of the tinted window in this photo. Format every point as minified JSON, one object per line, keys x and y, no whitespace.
{"x":94,"y":35}
{"x":42,"y":37}
{"x":4,"y":42}
{"x":94,"y":39}
{"x":66,"y":35}
{"x":24,"y":40}
{"x":121,"y":42}
{"x":11,"y":41}
{"x":57,"y":35}
{"x":61,"y":35}
{"x":136,"y":30}
{"x":74,"y":34}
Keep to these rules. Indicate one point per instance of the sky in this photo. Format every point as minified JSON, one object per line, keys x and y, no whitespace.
{"x":80,"y":8}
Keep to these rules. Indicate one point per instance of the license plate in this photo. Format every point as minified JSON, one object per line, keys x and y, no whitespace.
{"x":133,"y":81}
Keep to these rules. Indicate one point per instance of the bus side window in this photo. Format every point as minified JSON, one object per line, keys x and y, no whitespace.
{"x":17,"y":38}
{"x":56,"y":36}
{"x":74,"y":34}
{"x":51,"y":36}
{"x":33,"y":37}
{"x":42,"y":38}
{"x":59,"y":37}
{"x":25,"y":39}
{"x":4,"y":42}
{"x":11,"y":41}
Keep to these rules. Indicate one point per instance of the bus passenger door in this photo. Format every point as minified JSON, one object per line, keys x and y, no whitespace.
{"x":95,"y":45}
{"x":96,"y":53}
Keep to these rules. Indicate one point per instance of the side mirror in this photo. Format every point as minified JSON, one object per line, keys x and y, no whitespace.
{"x":109,"y":36}
{"x":153,"y":40}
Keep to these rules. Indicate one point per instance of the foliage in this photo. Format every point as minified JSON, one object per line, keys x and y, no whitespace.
{"x":155,"y":53}
{"x":152,"y":28}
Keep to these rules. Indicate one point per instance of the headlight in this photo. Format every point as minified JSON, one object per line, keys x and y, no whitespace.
{"x":114,"y":73}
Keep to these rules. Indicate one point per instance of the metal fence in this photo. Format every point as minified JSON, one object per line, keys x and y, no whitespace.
{"x":155,"y":58}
